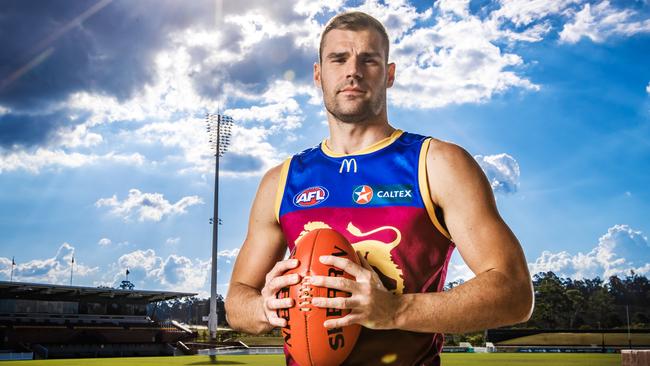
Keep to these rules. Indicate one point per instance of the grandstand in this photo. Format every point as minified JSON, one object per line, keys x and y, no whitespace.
{"x":51,"y":321}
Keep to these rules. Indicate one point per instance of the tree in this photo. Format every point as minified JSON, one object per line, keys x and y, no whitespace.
{"x":601,"y":308}
{"x":577,"y":303}
{"x":590,"y":303}
{"x":552,"y":306}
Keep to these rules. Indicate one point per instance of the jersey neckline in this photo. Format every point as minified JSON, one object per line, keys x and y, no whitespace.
{"x":370,"y":149}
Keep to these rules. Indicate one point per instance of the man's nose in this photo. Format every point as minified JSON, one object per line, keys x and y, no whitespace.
{"x":353,"y":68}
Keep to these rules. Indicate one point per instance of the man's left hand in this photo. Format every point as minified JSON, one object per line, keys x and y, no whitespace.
{"x":371,"y":304}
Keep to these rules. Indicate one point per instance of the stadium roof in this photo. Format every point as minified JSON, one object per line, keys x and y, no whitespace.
{"x":25,"y":290}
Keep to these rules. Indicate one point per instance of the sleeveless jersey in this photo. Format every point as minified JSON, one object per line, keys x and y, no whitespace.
{"x":379,"y":200}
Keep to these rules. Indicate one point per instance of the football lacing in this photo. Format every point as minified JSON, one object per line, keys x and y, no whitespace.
{"x":305,"y":292}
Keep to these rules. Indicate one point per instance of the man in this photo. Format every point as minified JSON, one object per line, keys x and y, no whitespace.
{"x":404,"y":201}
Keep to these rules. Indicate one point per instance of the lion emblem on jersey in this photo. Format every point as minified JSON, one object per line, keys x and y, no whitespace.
{"x":376,"y":252}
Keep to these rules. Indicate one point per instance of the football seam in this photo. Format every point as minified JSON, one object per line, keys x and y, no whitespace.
{"x":311,"y":259}
{"x":311,"y":362}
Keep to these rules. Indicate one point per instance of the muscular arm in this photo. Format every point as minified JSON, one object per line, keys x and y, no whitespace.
{"x":254,"y":269}
{"x":501,"y":293}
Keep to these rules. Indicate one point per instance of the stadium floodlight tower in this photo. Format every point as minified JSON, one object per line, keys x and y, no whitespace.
{"x":219,"y":130}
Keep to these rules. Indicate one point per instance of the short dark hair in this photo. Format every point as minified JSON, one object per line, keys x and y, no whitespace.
{"x":355,"y":21}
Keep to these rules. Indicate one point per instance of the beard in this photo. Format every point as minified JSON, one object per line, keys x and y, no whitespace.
{"x":354,"y":110}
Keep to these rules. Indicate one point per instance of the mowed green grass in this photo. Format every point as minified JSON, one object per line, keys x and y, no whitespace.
{"x":448,"y":359}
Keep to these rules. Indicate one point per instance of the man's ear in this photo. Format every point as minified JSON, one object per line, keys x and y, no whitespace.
{"x":391,"y":75}
{"x":317,"y":80}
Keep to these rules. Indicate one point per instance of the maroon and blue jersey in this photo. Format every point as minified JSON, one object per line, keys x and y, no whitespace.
{"x":378,"y":198}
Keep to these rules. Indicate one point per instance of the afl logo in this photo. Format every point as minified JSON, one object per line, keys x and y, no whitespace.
{"x":311,"y":196}
{"x":362,"y":194}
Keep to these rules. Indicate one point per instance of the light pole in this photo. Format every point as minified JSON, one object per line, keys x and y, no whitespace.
{"x":13,"y":264}
{"x":627,"y":314}
{"x":219,"y":131}
{"x":71,"y":269}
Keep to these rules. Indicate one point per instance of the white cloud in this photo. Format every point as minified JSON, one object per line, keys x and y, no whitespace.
{"x":34,"y":162}
{"x":453,"y":57}
{"x":618,"y":251}
{"x":502,"y":171}
{"x":4,"y":110}
{"x":445,"y":55}
{"x":280,"y":108}
{"x":171,"y":105}
{"x":458,"y":269}
{"x":311,"y":8}
{"x":5,"y":267}
{"x":229,"y":253}
{"x":399,"y":17}
{"x":253,"y":142}
{"x":79,"y":136}
{"x":454,"y":61}
{"x":189,"y":136}
{"x":181,"y":271}
{"x":172,"y":93}
{"x":228,"y":256}
{"x":143,"y":259}
{"x":286,"y":114}
{"x":525,"y":12}
{"x":647,"y":88}
{"x":458,"y":7}
{"x":172,"y":241}
{"x":54,"y":270}
{"x":104,"y":242}
{"x":148,"y":270}
{"x":602,"y":21}
{"x":176,"y":272}
{"x":555,"y":262}
{"x":147,"y":206}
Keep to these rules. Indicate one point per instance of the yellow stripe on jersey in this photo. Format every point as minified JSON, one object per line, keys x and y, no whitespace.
{"x":372,"y":148}
{"x":281,"y":184}
{"x":424,"y":188}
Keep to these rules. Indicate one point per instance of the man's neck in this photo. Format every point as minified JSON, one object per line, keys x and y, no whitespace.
{"x":348,"y":138}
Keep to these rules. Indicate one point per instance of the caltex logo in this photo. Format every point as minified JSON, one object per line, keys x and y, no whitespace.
{"x":362,"y":194}
{"x":311,"y":196}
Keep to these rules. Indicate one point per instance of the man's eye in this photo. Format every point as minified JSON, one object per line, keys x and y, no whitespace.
{"x":371,"y":61}
{"x":338,"y":60}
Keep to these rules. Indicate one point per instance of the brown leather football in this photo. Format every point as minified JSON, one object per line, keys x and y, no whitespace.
{"x":308,"y":341}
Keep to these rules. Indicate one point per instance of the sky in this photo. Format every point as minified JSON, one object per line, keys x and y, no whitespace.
{"x":104,"y":154}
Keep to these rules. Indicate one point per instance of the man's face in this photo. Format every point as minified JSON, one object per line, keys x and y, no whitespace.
{"x":353,"y":74}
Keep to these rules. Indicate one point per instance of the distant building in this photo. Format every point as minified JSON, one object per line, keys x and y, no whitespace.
{"x":52,"y":321}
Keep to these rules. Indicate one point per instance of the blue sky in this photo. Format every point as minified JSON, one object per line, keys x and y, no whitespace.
{"x":103,"y":151}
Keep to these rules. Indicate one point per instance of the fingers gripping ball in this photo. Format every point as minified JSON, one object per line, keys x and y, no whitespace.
{"x":308,"y":341}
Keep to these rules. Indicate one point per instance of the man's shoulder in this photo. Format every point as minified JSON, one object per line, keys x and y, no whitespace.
{"x":445,"y":152}
{"x":451,"y":164}
{"x":272,"y":176}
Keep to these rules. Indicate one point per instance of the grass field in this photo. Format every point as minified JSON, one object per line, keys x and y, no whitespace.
{"x":448,"y":359}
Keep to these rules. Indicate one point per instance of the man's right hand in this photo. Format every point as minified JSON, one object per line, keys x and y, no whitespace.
{"x":259,"y":271}
{"x":275,"y":281}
